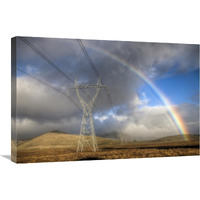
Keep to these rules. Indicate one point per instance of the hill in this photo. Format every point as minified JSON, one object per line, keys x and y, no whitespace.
{"x":177,"y":138}
{"x":57,"y":140}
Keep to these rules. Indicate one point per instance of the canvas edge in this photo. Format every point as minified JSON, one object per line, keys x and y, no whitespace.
{"x":13,"y":100}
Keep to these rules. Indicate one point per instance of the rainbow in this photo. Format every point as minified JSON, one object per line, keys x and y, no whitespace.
{"x":176,"y":118}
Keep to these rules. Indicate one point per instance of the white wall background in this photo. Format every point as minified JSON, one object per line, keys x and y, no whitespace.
{"x":151,"y":21}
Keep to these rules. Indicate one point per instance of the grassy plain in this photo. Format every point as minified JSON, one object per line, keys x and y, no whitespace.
{"x":52,"y":147}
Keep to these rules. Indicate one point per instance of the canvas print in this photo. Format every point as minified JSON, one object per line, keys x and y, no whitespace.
{"x":75,"y":99}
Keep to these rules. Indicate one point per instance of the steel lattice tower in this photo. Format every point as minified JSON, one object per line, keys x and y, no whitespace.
{"x":87,"y":136}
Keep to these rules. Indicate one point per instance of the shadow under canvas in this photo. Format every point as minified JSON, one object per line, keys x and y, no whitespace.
{"x":7,"y":156}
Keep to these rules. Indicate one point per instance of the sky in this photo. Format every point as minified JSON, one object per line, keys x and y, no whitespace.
{"x":152,"y":86}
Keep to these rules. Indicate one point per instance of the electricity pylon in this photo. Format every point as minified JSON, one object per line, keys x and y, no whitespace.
{"x":123,"y":139}
{"x":87,"y":136}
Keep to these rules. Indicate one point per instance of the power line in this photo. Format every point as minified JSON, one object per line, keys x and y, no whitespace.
{"x":55,"y":61}
{"x":57,"y":90}
{"x":55,"y":67}
{"x":89,"y":59}
{"x":92,"y":65}
{"x":52,"y":64}
{"x":96,"y":72}
{"x":46,"y":59}
{"x":46,"y":84}
{"x":49,"y":61}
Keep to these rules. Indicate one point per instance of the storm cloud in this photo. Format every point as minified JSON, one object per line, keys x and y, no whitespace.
{"x":41,"y":109}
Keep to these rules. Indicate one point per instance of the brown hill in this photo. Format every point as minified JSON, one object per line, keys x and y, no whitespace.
{"x":52,"y":140}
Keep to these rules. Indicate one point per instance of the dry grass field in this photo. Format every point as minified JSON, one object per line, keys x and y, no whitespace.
{"x":52,"y":147}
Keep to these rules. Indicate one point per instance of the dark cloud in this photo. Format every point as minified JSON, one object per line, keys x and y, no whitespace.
{"x":40,"y":103}
{"x":154,"y":59}
{"x":40,"y":109}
